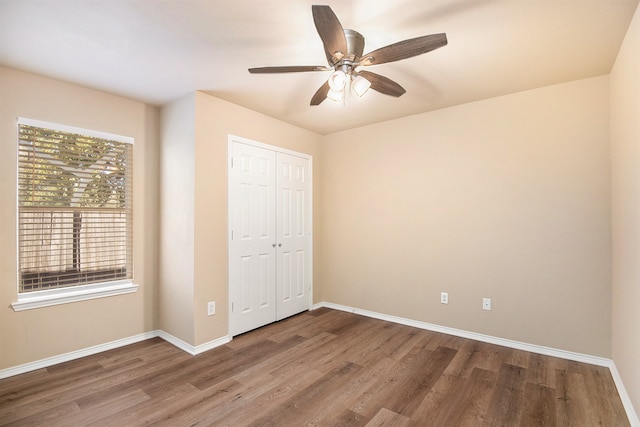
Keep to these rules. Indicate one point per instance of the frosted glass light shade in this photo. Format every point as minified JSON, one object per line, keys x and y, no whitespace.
{"x":337,"y":80}
{"x":360,"y":85}
{"x":335,"y":95}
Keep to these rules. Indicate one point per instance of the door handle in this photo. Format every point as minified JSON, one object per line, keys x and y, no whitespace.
{"x":273,"y":246}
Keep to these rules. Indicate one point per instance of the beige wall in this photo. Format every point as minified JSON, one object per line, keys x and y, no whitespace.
{"x":507,"y":198}
{"x":205,"y":123}
{"x":36,"y":334}
{"x":625,"y":163}
{"x":176,"y":218}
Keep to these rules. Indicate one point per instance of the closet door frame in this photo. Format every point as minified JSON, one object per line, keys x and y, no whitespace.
{"x":233,"y":139}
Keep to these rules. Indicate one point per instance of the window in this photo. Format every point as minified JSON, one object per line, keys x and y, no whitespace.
{"x":74,"y":209}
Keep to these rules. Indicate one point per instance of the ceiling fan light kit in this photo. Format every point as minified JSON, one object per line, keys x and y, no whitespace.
{"x":341,"y":85}
{"x":337,"y":83}
{"x":343,"y":49}
{"x":337,"y":80}
{"x":360,"y":85}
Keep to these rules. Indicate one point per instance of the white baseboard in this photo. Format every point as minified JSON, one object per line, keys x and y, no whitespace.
{"x":578,"y":357}
{"x":547,"y":351}
{"x":49,"y":361}
{"x":193,"y":350}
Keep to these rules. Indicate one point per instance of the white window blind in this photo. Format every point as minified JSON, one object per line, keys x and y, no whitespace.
{"x":74,"y":208}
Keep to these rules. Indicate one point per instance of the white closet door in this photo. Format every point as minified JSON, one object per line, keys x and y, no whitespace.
{"x":293,"y":204}
{"x":252,"y":246}
{"x":270,"y":275}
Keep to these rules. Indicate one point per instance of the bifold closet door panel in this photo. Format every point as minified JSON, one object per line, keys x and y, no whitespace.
{"x":293,"y":229}
{"x":252,"y":251}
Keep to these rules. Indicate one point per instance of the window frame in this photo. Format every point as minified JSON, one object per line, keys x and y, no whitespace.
{"x":55,"y":296}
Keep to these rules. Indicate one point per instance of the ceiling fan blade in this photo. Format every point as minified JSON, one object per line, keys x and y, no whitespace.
{"x":383,"y":84}
{"x":330,"y":31}
{"x":404,"y":49}
{"x":321,"y":94}
{"x":288,"y":69}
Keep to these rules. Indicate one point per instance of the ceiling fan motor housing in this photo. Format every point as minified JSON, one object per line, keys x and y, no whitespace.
{"x":355,"y":44}
{"x":355,"y":47}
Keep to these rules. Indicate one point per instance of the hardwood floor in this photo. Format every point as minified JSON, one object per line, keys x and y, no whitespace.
{"x":319,"y":368}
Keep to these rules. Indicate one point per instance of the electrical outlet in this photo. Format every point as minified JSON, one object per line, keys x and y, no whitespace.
{"x":444,"y":298}
{"x":211,"y":308}
{"x":486,"y":303}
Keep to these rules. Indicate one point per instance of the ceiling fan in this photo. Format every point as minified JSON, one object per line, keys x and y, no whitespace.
{"x":344,"y":48}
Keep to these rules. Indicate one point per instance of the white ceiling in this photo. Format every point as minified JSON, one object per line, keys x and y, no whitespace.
{"x":158,"y":50}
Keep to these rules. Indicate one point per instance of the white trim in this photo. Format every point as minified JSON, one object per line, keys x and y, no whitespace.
{"x":193,"y":350}
{"x":563,"y":354}
{"x":50,"y":361}
{"x":234,"y":138}
{"x":624,"y":396}
{"x":38,"y":299}
{"x":77,"y":130}
{"x":43,"y":363}
{"x":212,"y":344}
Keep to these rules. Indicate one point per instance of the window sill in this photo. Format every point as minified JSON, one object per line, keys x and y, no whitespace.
{"x":48,"y":298}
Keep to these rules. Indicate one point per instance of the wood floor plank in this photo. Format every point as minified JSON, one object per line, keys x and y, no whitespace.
{"x":465,"y":360}
{"x":252,"y":403}
{"x":598,"y":382}
{"x":154,"y":349}
{"x":539,"y":406}
{"x":310,"y":402}
{"x":20,"y":395}
{"x":149,"y":411}
{"x":403,"y":385}
{"x":243,"y":360}
{"x":542,"y":369}
{"x":456,"y":400}
{"x":261,"y":388}
{"x":577,"y":409}
{"x":385,"y":417}
{"x":115,"y":383}
{"x":518,"y":357}
{"x":491,"y":357}
{"x":327,"y":358}
{"x":116,"y":405}
{"x":392,"y":341}
{"x":506,"y":405}
{"x":11,"y":384}
{"x":59,"y":389}
{"x":67,"y":382}
{"x":324,"y":368}
{"x":423,"y":372}
{"x":46,"y":417}
{"x":282,"y":364}
{"x":345,"y":419}
{"x":366,"y":402}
